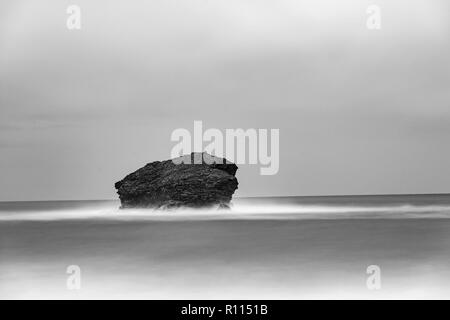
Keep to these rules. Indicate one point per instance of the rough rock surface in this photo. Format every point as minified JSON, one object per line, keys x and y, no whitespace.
{"x":195,"y":180}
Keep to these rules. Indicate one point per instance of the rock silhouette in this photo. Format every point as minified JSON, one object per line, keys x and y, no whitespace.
{"x":196,"y":180}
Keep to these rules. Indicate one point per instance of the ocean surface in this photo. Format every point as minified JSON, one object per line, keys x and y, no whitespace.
{"x":262,"y":248}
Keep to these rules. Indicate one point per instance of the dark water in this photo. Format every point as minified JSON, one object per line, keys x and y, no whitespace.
{"x":314,"y":247}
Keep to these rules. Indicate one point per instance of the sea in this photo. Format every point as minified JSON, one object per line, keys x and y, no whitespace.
{"x":332,"y":247}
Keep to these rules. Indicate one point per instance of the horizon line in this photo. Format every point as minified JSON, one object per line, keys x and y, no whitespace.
{"x":252,"y":197}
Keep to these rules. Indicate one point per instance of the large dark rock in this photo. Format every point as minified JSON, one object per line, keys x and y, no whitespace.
{"x":195,"y":180}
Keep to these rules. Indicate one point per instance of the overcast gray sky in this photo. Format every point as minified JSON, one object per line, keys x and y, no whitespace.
{"x":359,"y":111}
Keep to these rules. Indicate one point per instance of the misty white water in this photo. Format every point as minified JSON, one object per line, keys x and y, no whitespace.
{"x":247,"y":208}
{"x":262,"y":248}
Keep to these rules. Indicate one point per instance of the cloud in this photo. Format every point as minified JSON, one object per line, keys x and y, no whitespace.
{"x":134,"y":73}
